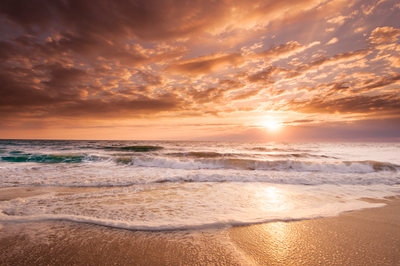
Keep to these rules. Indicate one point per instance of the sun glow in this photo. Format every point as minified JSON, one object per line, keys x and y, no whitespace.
{"x":272,"y":125}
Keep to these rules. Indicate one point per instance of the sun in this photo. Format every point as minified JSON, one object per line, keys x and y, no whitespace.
{"x":272,"y":125}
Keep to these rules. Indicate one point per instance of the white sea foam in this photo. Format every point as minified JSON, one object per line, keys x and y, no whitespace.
{"x":249,"y":164}
{"x":194,"y":206}
{"x":111,"y":174}
{"x":194,"y":184}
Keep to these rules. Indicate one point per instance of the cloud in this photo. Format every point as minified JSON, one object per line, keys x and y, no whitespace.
{"x":394,"y":61}
{"x":376,"y":130}
{"x":64,"y":94}
{"x":301,"y":121}
{"x":283,"y":51}
{"x":205,"y":64}
{"x":367,"y":10}
{"x":63,"y":59}
{"x":243,"y":95}
{"x":152,"y":20}
{"x":380,"y":83}
{"x":265,"y":76}
{"x":359,"y":29}
{"x":384,"y":34}
{"x":336,"y":59}
{"x":230,"y":83}
{"x":151,"y":79}
{"x":354,"y":104}
{"x":337,"y":20}
{"x":332,"y":41}
{"x":207,"y":95}
{"x":360,"y":83}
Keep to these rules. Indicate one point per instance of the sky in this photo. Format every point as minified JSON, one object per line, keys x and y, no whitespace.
{"x":304,"y":70}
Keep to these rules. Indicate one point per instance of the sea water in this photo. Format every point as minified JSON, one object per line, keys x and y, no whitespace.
{"x":164,"y":185}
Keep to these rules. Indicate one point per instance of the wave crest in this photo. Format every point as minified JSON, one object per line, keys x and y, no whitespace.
{"x":249,"y":164}
{"x":136,"y":148}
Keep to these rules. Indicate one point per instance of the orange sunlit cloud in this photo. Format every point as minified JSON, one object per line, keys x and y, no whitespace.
{"x":200,"y":69}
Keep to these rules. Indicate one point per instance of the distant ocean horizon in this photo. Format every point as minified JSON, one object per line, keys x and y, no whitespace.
{"x":166,"y":185}
{"x":210,"y":139}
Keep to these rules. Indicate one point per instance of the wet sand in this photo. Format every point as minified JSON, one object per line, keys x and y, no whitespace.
{"x":9,"y":193}
{"x":365,"y":237}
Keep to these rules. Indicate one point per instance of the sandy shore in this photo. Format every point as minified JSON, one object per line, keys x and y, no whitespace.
{"x":366,"y":237}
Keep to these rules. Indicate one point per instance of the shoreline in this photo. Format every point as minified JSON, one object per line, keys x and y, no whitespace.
{"x":9,"y":193}
{"x":363,"y":237}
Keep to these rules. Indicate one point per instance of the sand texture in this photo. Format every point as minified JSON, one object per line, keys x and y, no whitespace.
{"x":366,"y":237}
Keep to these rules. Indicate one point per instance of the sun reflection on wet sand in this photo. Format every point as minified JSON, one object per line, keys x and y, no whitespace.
{"x":280,"y":236}
{"x":275,"y":199}
{"x":266,"y":242}
{"x":271,"y":241}
{"x":353,"y":238}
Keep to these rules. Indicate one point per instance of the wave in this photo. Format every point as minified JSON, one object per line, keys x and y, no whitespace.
{"x":250,"y":164}
{"x":299,"y":155}
{"x":115,"y":176}
{"x":238,"y":155}
{"x":51,"y":158}
{"x":265,"y":149}
{"x":136,"y":148}
{"x":16,"y":152}
{"x":212,"y":160}
{"x":201,"y":154}
{"x":186,"y":207}
{"x":282,"y":178}
{"x":167,"y":225}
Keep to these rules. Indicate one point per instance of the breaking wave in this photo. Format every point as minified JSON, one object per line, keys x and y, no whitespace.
{"x":210,"y":160}
{"x":249,"y":164}
{"x":136,"y":148}
{"x":50,"y":158}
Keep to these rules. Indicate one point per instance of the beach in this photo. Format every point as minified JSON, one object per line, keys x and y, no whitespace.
{"x":198,"y":203}
{"x":364,"y":237}
{"x":216,"y":132}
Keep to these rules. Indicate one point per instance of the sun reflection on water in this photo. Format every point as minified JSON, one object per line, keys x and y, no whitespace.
{"x":272,"y":199}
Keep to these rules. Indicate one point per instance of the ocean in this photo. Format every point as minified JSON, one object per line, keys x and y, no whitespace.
{"x":174,"y":185}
